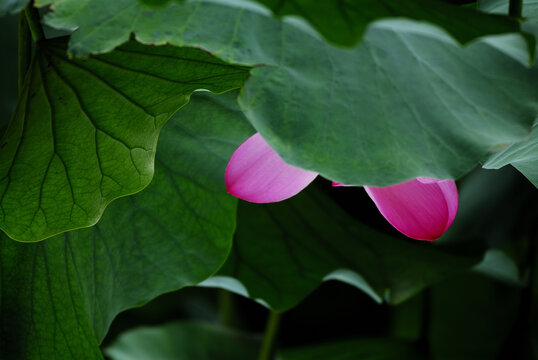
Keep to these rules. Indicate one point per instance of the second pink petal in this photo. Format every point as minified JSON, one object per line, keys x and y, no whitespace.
{"x":422,"y":209}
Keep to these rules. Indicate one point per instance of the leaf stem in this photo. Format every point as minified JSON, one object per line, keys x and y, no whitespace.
{"x":268,"y":344}
{"x":34,"y":22}
{"x":226,"y":311}
{"x":516,"y":8}
{"x":24,"y":51}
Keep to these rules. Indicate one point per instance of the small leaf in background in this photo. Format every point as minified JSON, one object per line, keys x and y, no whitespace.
{"x":284,"y":251}
{"x":85,"y":131}
{"x":60,"y":295}
{"x":184,"y":341}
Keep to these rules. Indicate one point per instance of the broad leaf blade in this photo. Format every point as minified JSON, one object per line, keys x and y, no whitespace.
{"x":85,"y":131}
{"x":59,"y":296}
{"x":284,"y":251}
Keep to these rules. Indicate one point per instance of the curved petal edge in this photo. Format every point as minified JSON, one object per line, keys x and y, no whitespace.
{"x":419,"y":209}
{"x":257,"y":174}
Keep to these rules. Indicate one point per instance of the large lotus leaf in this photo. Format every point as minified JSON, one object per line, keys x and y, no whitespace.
{"x":284,"y":251}
{"x":408,"y":101}
{"x":85,"y":131}
{"x":344,"y":21}
{"x":185,"y":341}
{"x":522,"y":155}
{"x":59,"y":296}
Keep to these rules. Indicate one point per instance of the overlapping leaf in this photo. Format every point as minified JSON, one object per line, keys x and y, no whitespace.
{"x":58,"y":297}
{"x":344,"y":21}
{"x":85,"y":131}
{"x":283,"y":251}
{"x":408,"y":101}
{"x":523,"y":156}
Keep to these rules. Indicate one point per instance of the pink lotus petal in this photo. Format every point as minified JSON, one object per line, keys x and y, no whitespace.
{"x":418,"y":209}
{"x":337,"y":184}
{"x":257,"y":174}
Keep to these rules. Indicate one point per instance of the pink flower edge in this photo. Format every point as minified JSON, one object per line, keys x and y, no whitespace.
{"x":257,"y":174}
{"x":420,"y":209}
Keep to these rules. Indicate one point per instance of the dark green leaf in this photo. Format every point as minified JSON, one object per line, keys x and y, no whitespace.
{"x":85,"y":131}
{"x":407,"y":102}
{"x":345,"y":21}
{"x":283,"y":251}
{"x":185,"y":341}
{"x":59,"y":296}
{"x":364,"y":349}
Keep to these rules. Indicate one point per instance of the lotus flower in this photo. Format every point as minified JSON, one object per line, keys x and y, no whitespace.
{"x":421,"y":208}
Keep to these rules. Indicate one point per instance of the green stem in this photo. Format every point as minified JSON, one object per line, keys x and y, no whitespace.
{"x":225,"y":308}
{"x":34,"y":22}
{"x":516,"y":8}
{"x":24,"y":52}
{"x":268,"y":344}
